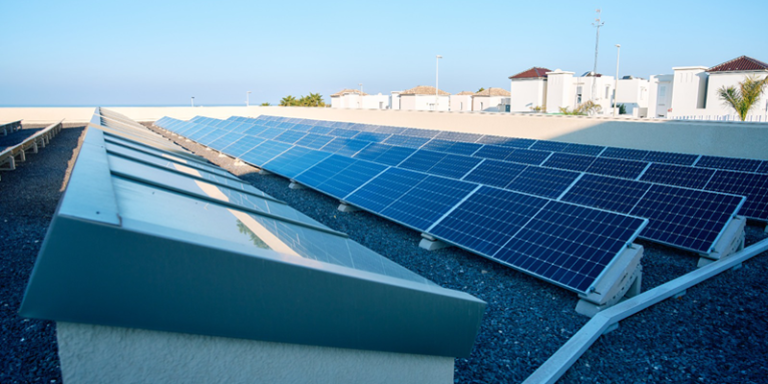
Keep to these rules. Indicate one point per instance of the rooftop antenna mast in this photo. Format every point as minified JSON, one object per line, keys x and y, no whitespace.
{"x":597,"y":24}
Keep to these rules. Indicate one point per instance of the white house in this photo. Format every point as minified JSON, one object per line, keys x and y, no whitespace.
{"x":566,"y":91}
{"x":462,"y":101}
{"x":347,"y":98}
{"x":490,"y":100}
{"x":695,"y":90}
{"x":376,"y":101}
{"x":659,"y":95}
{"x":633,"y":93}
{"x":528,"y":90}
{"x":424,"y":98}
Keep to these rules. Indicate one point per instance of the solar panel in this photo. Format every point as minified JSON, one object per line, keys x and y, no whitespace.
{"x":569,"y":161}
{"x":427,"y":201}
{"x":689,"y":177}
{"x":729,"y":163}
{"x":314,"y":141}
{"x":763,"y":167}
{"x":459,"y":136}
{"x":628,"y":169}
{"x":494,"y":152}
{"x":624,"y":153}
{"x":545,"y":182}
{"x":618,"y":195}
{"x":290,"y":137}
{"x":324,"y":170}
{"x":243,"y":145}
{"x":350,"y":178}
{"x":271,"y":133}
{"x":422,"y":160}
{"x":671,"y":158}
{"x":320,"y":130}
{"x":346,"y":147}
{"x":374,"y":137}
{"x":495,"y":173}
{"x":418,"y":132}
{"x":685,"y":218}
{"x":264,"y":152}
{"x":390,"y":130}
{"x":487,"y":219}
{"x":457,"y":148}
{"x":211,"y":137}
{"x":545,"y":145}
{"x":340,"y":132}
{"x":406,"y":141}
{"x":384,"y":154}
{"x":752,"y":185}
{"x":294,"y":161}
{"x":506,"y":141}
{"x":528,"y":156}
{"x":583,"y":149}
{"x":385,"y":188}
{"x":254,"y":130}
{"x":569,"y":245}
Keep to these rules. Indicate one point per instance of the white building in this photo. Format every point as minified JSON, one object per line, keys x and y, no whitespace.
{"x":566,"y":91}
{"x":423,"y":98}
{"x":490,"y":100}
{"x":528,"y":90}
{"x":695,"y":90}
{"x":660,"y":91}
{"x":376,"y":101}
{"x":633,"y":93}
{"x":462,"y":101}
{"x":347,"y":98}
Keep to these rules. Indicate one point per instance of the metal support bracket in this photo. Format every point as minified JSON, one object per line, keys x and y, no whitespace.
{"x":622,"y":280}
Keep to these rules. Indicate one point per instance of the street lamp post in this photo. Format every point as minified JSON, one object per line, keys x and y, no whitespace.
{"x":597,"y":24}
{"x":247,"y":98}
{"x":437,"y":78}
{"x":616,"y":82}
{"x":193,"y":101}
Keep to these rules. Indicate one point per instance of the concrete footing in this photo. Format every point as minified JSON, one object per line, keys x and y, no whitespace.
{"x":431,"y":244}
{"x":622,"y":280}
{"x":295,"y":185}
{"x":344,"y":207}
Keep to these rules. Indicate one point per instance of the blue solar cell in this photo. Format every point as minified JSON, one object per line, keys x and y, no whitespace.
{"x":374,"y":137}
{"x":545,"y":182}
{"x":729,"y":163}
{"x":320,"y":130}
{"x":671,"y":158}
{"x":689,"y":177}
{"x":627,"y":169}
{"x":763,"y":167}
{"x":454,"y":166}
{"x":406,"y":141}
{"x":295,"y":161}
{"x":265,"y":152}
{"x":341,"y":132}
{"x":211,"y":137}
{"x":422,"y":160}
{"x":351,"y":178}
{"x":546,"y":145}
{"x":271,"y":133}
{"x":685,"y":218}
{"x":384,"y":154}
{"x":583,"y":149}
{"x":255,"y":130}
{"x":301,"y":127}
{"x":390,"y":130}
{"x":345,"y":147}
{"x":314,"y":141}
{"x":609,"y":193}
{"x":487,"y":220}
{"x":427,"y":201}
{"x":381,"y":191}
{"x":528,"y":156}
{"x":243,"y":145}
{"x":624,"y":153}
{"x":495,"y":173}
{"x":569,"y":161}
{"x":418,"y":132}
{"x":242,"y":127}
{"x":494,"y":152}
{"x":752,"y":185}
{"x":324,"y":170}
{"x":506,"y":141}
{"x":290,"y":136}
{"x":198,"y":132}
{"x":459,"y":136}
{"x":457,"y":148}
{"x":570,"y":245}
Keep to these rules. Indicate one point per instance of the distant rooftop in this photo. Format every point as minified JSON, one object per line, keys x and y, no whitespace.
{"x":741,"y":63}
{"x":493,"y":92}
{"x":346,"y":91}
{"x":532,"y":73}
{"x":423,"y":90}
{"x":464,"y":93}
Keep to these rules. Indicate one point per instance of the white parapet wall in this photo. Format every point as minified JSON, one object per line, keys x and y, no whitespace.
{"x":733,"y":139}
{"x":104,"y":354}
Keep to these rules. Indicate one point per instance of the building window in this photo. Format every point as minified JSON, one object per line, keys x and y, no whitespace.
{"x":578,"y":95}
{"x":481,"y":105}
{"x":607,"y":91}
{"x":461,"y":106}
{"x":662,"y":91}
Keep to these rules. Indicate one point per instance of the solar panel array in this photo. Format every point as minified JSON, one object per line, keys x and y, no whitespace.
{"x":342,"y":159}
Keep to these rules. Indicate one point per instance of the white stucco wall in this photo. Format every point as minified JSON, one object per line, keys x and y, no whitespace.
{"x":461,"y":103}
{"x":376,"y":101}
{"x":527,"y":94}
{"x":488,"y":103}
{"x":660,"y":91}
{"x":560,"y":90}
{"x":424,"y":102}
{"x":716,"y":108}
{"x":100,"y":354}
{"x":689,"y":84}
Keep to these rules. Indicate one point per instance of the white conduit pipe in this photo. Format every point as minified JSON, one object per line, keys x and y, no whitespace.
{"x":566,"y":356}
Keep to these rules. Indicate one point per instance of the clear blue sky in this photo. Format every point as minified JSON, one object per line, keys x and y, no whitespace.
{"x":162,"y":52}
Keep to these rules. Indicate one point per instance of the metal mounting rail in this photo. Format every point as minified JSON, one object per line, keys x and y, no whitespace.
{"x":566,"y":356}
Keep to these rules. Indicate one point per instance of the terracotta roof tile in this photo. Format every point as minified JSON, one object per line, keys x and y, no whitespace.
{"x":493,"y":92}
{"x":532,"y":73}
{"x":423,"y":90}
{"x":741,"y":63}
{"x":345,"y":91}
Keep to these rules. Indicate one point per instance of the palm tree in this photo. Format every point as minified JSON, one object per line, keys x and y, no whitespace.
{"x":745,"y":97}
{"x":265,"y":104}
{"x":288,"y":101}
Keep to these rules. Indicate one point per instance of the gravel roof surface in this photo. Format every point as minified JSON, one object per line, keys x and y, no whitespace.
{"x":712,"y":334}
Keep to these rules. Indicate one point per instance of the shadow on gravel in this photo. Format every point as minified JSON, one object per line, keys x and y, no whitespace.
{"x":30,"y":194}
